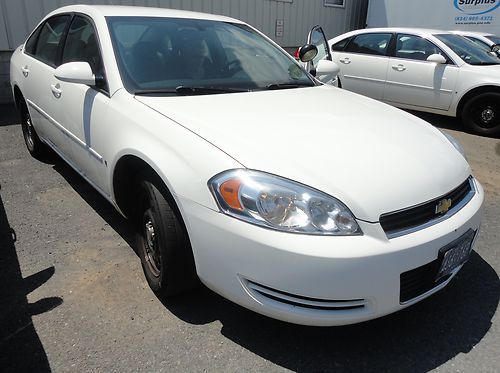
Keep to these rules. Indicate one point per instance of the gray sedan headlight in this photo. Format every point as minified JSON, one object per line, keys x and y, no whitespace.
{"x":274,"y":202}
{"x":455,"y":143}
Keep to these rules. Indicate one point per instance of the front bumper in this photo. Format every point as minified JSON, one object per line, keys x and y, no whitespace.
{"x":317,"y":280}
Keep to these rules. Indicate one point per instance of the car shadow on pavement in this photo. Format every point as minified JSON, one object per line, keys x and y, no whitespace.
{"x":100,"y":205}
{"x":9,"y":115}
{"x":419,"y":338}
{"x":440,"y":121}
{"x":20,"y":347}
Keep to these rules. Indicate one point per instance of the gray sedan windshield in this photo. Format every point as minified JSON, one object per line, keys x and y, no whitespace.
{"x":192,"y":56}
{"x":468,"y":51}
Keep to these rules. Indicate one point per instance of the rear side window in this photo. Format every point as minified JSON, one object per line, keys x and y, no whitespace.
{"x":49,"y":39}
{"x":30,"y":45}
{"x":340,"y":45}
{"x":376,"y":44}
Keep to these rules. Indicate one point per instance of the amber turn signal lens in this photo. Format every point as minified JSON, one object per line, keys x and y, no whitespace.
{"x":229,"y":192}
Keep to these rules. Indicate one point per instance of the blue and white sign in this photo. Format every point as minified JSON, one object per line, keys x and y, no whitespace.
{"x":476,"y":7}
{"x":476,"y":12}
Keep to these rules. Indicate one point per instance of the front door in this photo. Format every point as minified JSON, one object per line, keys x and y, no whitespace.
{"x":83,"y":108}
{"x":412,"y":80}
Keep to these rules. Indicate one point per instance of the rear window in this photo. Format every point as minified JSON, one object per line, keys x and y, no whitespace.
{"x":376,"y":44}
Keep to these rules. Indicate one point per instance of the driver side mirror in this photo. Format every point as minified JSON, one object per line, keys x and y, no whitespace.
{"x":496,"y":49}
{"x":308,"y":52}
{"x":437,"y":58}
{"x":327,"y":71}
{"x":76,"y":72}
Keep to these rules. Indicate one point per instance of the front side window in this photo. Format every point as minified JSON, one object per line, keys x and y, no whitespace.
{"x":376,"y":44}
{"x":169,"y":55}
{"x":414,"y":47}
{"x":468,"y":51}
{"x":81,"y":45}
{"x":49,"y":39}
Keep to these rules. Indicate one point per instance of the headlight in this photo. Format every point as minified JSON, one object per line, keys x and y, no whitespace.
{"x":281,"y":204}
{"x":455,"y":143}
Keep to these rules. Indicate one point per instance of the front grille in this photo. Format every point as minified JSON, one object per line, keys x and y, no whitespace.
{"x":398,"y":222}
{"x":305,"y":302}
{"x":420,"y":280}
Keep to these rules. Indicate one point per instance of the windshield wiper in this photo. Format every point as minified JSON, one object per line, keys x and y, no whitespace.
{"x":484,"y":63}
{"x":188,"y":90}
{"x":288,"y":85}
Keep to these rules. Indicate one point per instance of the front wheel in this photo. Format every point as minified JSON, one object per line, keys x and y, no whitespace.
{"x":481,"y":114}
{"x":163,"y":243}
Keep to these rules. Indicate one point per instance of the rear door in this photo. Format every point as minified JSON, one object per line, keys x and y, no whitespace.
{"x":412,"y":80}
{"x":39,"y":63}
{"x":363,"y":63}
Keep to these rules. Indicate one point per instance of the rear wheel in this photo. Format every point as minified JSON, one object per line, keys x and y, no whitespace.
{"x":481,"y":114}
{"x":35,"y":146}
{"x":163,"y":243}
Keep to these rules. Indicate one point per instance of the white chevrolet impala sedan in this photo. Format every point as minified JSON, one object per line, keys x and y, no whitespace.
{"x":427,"y":70}
{"x":290,"y":197}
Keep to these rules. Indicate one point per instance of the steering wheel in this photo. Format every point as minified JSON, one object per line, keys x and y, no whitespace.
{"x":232,"y":67}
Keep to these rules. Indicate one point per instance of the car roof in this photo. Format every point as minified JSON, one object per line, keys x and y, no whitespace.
{"x":411,"y":30}
{"x":136,"y":11}
{"x":472,"y":33}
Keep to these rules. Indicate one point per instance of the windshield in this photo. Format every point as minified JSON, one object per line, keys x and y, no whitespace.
{"x":468,"y":51}
{"x":191,"y":56}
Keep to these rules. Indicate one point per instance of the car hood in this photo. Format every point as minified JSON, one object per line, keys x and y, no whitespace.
{"x":373,"y":157}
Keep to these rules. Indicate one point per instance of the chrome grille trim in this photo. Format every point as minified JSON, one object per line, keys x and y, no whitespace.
{"x":439,"y":218}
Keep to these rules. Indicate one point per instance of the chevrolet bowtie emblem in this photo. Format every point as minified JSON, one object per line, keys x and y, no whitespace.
{"x":443,"y":206}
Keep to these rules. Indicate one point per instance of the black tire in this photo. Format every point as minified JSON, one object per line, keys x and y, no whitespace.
{"x":33,"y":143}
{"x":162,"y":242}
{"x":481,"y":114}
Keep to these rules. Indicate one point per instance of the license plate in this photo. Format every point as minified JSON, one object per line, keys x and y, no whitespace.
{"x":455,"y":254}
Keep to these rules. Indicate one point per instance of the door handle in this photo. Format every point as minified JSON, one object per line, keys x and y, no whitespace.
{"x":56,"y":90}
{"x":346,"y":60}
{"x":399,"y":67}
{"x":25,"y":71}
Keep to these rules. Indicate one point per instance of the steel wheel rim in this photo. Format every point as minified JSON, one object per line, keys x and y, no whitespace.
{"x":151,"y":250}
{"x":28,"y":134}
{"x":487,"y":115}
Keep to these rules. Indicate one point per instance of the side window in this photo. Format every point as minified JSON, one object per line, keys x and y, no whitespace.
{"x":30,"y":45}
{"x":479,"y":42}
{"x":376,"y":44}
{"x":49,"y":39}
{"x":340,"y":45}
{"x":414,"y":47}
{"x":81,"y":45}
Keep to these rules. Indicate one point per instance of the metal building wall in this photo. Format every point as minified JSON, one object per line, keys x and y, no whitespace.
{"x":19,"y":17}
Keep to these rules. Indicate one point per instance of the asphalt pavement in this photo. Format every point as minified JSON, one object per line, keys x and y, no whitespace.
{"x":73,"y":296}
